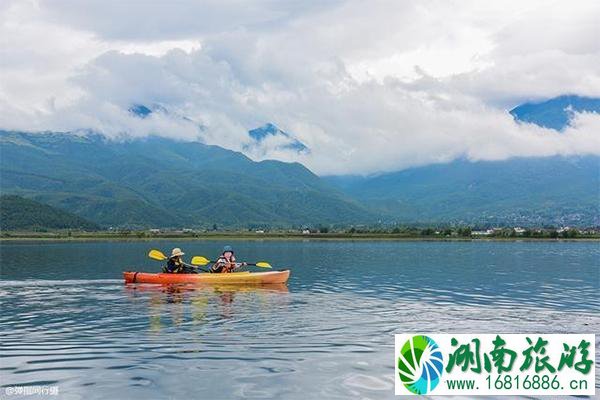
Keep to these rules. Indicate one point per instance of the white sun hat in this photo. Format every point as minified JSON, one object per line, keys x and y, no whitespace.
{"x":176,"y":252}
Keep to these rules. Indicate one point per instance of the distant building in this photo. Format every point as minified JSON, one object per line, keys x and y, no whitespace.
{"x":487,"y":232}
{"x":259,"y":231}
{"x":187,"y":230}
{"x":519,"y":230}
{"x":154,"y":230}
{"x":306,"y":232}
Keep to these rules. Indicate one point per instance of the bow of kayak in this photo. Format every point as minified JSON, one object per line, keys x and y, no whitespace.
{"x":230,"y":278}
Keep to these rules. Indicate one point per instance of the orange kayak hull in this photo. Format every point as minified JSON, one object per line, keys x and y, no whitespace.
{"x":259,"y":278}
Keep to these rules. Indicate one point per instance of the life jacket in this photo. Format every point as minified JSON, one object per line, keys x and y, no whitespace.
{"x":224,"y":264}
{"x":174,"y":266}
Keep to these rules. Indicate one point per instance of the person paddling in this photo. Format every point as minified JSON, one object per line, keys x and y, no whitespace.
{"x":175,"y":264}
{"x":226,"y":262}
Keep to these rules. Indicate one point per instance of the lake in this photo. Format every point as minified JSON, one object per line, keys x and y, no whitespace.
{"x":69,"y":321}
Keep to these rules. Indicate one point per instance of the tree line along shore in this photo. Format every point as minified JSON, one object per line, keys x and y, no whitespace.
{"x":408,"y":233}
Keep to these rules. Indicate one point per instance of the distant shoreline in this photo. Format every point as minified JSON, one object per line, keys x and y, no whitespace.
{"x":77,"y":237}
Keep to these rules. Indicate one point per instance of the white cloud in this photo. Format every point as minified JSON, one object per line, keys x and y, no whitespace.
{"x":368,"y":87}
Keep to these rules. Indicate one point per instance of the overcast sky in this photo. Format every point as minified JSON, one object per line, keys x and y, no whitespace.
{"x":368,"y":86}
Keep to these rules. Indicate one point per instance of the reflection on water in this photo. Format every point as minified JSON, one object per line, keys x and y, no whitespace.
{"x":195,"y":299}
{"x":328,"y":334}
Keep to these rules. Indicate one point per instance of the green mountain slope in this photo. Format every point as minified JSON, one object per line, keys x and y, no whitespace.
{"x":17,"y":213}
{"x":528,"y":191}
{"x":160,"y":182}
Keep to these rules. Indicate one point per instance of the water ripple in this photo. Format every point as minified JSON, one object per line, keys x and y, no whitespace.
{"x":328,"y":335}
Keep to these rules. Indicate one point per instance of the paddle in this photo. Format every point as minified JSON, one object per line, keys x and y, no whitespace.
{"x":158,"y":255}
{"x":199,"y":260}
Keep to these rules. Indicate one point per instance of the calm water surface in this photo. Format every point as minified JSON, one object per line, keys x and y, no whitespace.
{"x":68,"y":320}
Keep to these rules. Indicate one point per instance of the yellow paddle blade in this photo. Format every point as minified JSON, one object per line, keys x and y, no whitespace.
{"x":157,"y":255}
{"x":263,"y":264}
{"x":199,"y":260}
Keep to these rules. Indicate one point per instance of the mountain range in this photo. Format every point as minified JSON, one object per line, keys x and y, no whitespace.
{"x":165,"y":183}
{"x":518,"y":191}
{"x":554,"y":191}
{"x":158,"y":182}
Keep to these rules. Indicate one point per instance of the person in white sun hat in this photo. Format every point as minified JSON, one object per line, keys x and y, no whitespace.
{"x":176,"y":265}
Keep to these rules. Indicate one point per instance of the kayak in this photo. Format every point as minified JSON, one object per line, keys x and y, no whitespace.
{"x":245,"y":277}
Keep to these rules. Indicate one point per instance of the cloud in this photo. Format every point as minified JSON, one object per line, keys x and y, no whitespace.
{"x":147,"y":20}
{"x":367,"y":88}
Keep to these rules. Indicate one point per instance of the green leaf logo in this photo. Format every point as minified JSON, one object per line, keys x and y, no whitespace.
{"x":420,"y":364}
